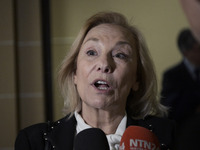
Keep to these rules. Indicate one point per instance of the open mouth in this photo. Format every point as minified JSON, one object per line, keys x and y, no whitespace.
{"x":101,"y":85}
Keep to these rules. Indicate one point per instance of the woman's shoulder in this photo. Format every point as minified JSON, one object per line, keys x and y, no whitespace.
{"x":160,"y":121}
{"x":31,"y":136}
{"x":35,"y":135}
{"x":45,"y":127}
{"x":163,"y":128}
{"x":35,"y":128}
{"x":159,"y":125}
{"x":150,"y":121}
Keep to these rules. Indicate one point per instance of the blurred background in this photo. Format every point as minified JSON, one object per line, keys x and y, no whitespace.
{"x":35,"y":36}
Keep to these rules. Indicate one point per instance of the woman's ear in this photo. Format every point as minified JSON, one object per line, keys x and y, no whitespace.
{"x":75,"y":78}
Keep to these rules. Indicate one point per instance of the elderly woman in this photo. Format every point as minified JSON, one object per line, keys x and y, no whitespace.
{"x":108,"y":82}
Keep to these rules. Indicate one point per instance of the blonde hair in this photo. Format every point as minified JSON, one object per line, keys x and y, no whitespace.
{"x":139,"y":103}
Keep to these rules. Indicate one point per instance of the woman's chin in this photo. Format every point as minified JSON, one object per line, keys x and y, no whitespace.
{"x":98,"y":104}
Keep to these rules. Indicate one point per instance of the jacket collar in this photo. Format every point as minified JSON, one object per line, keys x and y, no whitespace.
{"x":61,"y":133}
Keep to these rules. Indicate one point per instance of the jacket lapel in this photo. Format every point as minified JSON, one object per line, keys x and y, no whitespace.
{"x":62,"y":134}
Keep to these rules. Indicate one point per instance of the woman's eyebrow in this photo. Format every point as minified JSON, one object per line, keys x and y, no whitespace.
{"x":91,"y":39}
{"x":123,"y":43}
{"x":119,"y":43}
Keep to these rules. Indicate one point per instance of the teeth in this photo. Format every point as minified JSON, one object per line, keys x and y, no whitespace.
{"x":101,"y":85}
{"x":101,"y":82}
{"x":103,"y":88}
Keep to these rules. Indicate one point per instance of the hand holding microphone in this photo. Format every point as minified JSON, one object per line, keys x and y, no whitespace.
{"x":139,"y":138}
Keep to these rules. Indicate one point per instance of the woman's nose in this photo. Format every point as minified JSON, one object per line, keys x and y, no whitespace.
{"x":105,"y":64}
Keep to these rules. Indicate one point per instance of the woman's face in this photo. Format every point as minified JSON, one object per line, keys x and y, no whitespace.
{"x":106,"y":68}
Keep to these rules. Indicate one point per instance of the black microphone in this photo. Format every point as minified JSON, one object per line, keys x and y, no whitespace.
{"x":91,"y":139}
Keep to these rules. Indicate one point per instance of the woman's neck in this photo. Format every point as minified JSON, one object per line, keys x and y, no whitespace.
{"x":107,"y":121}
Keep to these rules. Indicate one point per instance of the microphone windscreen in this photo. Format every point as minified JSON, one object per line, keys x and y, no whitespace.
{"x":91,"y":139}
{"x":139,"y":138}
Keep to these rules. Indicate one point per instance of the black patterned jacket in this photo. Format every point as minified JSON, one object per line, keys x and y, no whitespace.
{"x":60,"y":135}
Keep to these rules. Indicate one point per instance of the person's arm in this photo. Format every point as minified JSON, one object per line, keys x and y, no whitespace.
{"x":191,"y":9}
{"x":22,"y":142}
{"x":32,"y":138}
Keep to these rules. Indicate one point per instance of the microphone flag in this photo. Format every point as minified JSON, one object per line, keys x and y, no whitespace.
{"x":139,"y":138}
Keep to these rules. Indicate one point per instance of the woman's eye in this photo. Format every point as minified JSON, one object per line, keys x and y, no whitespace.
{"x":91,"y":53}
{"x":121,"y":56}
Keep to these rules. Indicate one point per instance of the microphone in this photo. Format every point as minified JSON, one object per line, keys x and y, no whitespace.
{"x":139,"y":138}
{"x":91,"y":139}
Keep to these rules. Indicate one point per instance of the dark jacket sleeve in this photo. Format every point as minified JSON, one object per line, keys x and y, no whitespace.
{"x":22,"y":141}
{"x":163,"y":128}
{"x":31,"y":138}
